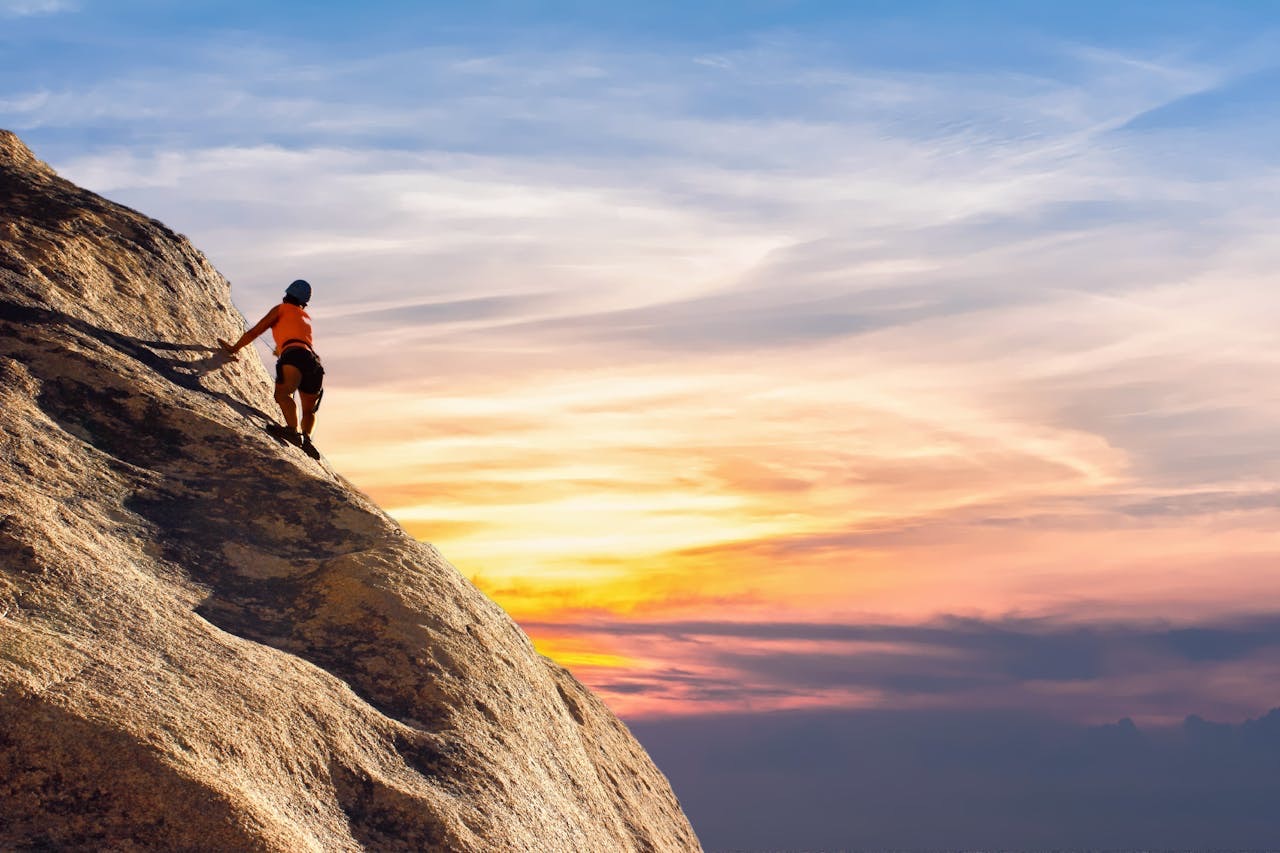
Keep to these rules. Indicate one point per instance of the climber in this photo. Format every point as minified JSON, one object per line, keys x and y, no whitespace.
{"x":298,"y":368}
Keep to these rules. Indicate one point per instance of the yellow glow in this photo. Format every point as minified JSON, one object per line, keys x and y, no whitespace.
{"x":644,"y":490}
{"x":576,"y":654}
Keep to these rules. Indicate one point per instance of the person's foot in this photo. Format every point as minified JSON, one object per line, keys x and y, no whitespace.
{"x":309,"y":448}
{"x":283,"y":433}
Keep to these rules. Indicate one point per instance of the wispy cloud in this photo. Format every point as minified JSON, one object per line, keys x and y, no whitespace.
{"x":31,"y":8}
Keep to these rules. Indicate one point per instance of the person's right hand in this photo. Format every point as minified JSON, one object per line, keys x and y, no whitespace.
{"x":228,"y":350}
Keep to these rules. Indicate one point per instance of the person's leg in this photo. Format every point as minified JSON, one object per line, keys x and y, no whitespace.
{"x":309,"y":403}
{"x":287,"y":383}
{"x":310,"y":390}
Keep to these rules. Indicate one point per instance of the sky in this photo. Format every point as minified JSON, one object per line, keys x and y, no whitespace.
{"x":867,"y":368}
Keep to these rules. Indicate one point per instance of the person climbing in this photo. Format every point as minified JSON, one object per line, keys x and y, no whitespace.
{"x":298,"y":368}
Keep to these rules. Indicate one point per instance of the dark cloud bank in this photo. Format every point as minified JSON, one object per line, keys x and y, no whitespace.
{"x":1082,"y":670}
{"x":850,"y":780}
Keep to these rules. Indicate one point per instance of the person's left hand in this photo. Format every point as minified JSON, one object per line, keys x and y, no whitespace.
{"x":228,"y":350}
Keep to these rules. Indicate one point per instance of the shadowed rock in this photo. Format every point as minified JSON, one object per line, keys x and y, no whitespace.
{"x":209,"y":641}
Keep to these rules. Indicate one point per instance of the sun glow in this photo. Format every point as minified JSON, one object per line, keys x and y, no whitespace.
{"x":641,"y":491}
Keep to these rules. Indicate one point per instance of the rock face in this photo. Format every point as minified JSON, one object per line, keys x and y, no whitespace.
{"x":209,"y":641}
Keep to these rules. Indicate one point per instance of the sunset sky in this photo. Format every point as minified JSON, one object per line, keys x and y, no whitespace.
{"x":759,"y":356}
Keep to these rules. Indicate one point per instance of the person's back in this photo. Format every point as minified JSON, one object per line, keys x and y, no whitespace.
{"x":292,"y":327}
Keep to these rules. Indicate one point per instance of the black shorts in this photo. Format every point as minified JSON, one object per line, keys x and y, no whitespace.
{"x":307,"y":362}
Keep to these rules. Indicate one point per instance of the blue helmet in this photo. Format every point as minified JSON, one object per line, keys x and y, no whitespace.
{"x":299,"y":290}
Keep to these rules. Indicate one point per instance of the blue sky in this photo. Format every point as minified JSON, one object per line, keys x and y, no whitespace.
{"x":767,"y":358}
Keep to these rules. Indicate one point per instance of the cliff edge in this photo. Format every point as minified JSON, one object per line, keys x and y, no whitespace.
{"x":209,"y":641}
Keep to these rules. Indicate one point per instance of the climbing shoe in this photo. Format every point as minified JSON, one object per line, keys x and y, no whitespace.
{"x":282,"y":433}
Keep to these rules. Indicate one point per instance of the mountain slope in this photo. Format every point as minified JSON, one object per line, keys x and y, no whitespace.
{"x":209,"y":641}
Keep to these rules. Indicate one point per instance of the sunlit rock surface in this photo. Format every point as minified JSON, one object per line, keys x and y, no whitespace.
{"x":209,"y":641}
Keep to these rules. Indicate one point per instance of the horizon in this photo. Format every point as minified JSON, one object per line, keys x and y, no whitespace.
{"x":760,"y":359}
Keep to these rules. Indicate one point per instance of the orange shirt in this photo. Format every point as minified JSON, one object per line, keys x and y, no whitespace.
{"x":292,"y":325}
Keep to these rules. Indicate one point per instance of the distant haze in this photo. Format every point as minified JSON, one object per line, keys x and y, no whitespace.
{"x":942,"y":780}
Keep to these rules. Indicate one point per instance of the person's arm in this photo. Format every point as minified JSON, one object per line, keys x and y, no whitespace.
{"x":265,"y":323}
